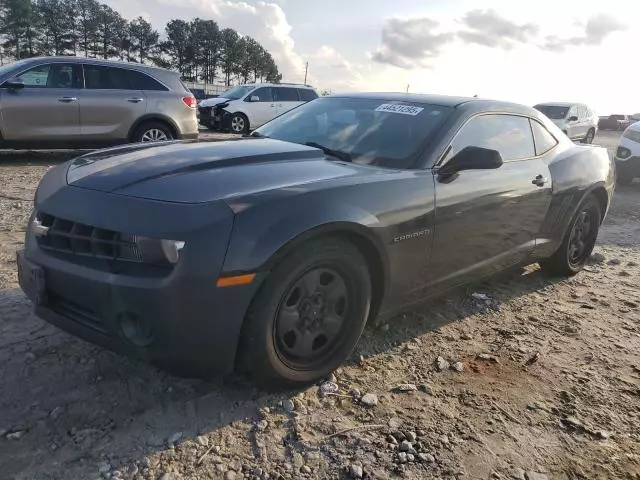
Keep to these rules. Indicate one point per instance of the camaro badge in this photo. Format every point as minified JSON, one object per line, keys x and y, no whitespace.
{"x":409,"y":236}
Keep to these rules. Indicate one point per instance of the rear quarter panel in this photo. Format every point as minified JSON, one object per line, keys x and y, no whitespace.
{"x":576,"y":172}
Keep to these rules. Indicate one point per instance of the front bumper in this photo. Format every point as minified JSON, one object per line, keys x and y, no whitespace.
{"x":174,"y":317}
{"x":628,"y":167}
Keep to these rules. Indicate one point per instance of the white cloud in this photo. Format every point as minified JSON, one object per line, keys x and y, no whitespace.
{"x":410,"y":43}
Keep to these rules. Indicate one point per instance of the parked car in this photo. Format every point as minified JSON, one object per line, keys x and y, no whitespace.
{"x":576,"y":120}
{"x":246,"y":107}
{"x":271,"y":253}
{"x":628,"y":155}
{"x":72,"y":101}
{"x":614,"y":122}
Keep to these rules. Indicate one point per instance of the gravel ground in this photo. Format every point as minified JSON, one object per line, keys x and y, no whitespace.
{"x":532,"y":379}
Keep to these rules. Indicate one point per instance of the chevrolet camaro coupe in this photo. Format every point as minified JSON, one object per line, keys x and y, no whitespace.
{"x":268,"y":254}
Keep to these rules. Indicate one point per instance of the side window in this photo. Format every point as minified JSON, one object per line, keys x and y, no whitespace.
{"x":142,"y":81}
{"x":508,"y":134}
{"x":52,"y":75}
{"x":582,"y":112}
{"x":306,"y":94}
{"x":97,"y":77}
{"x":542,"y":137}
{"x":286,"y":94}
{"x":573,"y":112}
{"x":265,"y":94}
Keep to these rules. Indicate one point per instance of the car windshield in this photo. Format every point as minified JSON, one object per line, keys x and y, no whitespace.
{"x":554,"y":112}
{"x":12,"y":66}
{"x":364,"y":130}
{"x":237,"y":92}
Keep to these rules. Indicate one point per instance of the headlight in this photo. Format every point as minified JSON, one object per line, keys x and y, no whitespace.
{"x":633,"y":135}
{"x":171,"y":249}
{"x":156,"y":251}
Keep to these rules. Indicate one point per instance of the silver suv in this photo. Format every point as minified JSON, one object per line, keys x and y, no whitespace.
{"x":71,"y":101}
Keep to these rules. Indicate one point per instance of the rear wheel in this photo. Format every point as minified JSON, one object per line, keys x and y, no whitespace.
{"x":153,"y":132}
{"x":308,"y":315}
{"x":578,"y":243}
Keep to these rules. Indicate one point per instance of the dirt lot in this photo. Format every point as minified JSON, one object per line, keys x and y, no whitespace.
{"x":549,"y":385}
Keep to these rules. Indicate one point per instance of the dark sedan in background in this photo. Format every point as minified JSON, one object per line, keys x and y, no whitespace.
{"x":270,"y":253}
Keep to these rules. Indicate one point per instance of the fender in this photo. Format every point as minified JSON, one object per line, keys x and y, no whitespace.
{"x":260,"y":236}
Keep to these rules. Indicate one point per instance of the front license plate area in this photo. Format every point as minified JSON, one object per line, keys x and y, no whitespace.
{"x":31,"y":280}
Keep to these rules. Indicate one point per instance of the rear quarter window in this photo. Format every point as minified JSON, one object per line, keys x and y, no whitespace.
{"x":306,"y":94}
{"x":286,"y":94}
{"x":543,"y":139}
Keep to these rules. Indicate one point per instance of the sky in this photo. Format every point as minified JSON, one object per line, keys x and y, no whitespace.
{"x":526,"y":52}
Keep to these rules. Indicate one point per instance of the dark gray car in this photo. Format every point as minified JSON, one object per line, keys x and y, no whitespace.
{"x":65,"y":101}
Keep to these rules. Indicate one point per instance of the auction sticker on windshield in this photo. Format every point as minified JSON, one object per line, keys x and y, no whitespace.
{"x":403,"y":109}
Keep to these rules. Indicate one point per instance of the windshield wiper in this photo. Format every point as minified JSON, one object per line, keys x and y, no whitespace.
{"x":344,"y":156}
{"x":256,"y":135}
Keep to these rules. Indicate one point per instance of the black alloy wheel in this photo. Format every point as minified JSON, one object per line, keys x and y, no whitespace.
{"x":307,"y":316}
{"x":311,"y":318}
{"x":582,"y":238}
{"x":578,"y":242}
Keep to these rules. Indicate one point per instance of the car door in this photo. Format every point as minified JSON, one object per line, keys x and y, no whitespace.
{"x":573,"y":127}
{"x":46,"y":108}
{"x":110,"y":103}
{"x":487,"y":220}
{"x":583,"y":122}
{"x":261,"y":107}
{"x":286,"y":99}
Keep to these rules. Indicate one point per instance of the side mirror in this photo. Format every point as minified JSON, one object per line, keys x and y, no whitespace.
{"x":473,"y":158}
{"x":255,"y":98}
{"x":13,"y":84}
{"x":573,"y":118}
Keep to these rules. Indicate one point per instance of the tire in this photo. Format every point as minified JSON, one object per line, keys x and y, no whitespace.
{"x":239,"y":123}
{"x":288,"y":310}
{"x":574,"y":252}
{"x":590,"y":136}
{"x":150,"y":130}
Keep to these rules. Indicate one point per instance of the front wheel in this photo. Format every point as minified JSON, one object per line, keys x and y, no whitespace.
{"x":308,"y":315}
{"x":578,"y":242}
{"x":239,"y":123}
{"x":590,"y":136}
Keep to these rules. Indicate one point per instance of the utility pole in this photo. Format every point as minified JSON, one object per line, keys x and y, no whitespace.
{"x":407,"y":88}
{"x":306,"y":69}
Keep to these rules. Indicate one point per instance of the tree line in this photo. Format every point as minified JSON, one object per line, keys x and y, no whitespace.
{"x":199,"y":49}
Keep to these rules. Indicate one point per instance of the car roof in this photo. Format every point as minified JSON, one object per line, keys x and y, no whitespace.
{"x":470,"y":103}
{"x":290,"y":85}
{"x":99,"y":61}
{"x":559,"y":104}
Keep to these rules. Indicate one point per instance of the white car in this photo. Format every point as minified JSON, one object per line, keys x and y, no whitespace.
{"x":246,"y":107}
{"x":628,"y":155}
{"x":576,"y":120}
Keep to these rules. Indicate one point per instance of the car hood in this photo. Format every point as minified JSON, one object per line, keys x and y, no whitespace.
{"x":196,"y":172}
{"x":210,"y":102}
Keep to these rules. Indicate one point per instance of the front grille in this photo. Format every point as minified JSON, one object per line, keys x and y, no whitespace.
{"x":57,"y":234}
{"x":205,"y":112}
{"x":75,"y":312}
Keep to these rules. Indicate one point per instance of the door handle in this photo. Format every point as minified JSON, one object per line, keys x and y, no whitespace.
{"x":68,"y":99}
{"x":539,"y":181}
{"x":135,"y":100}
